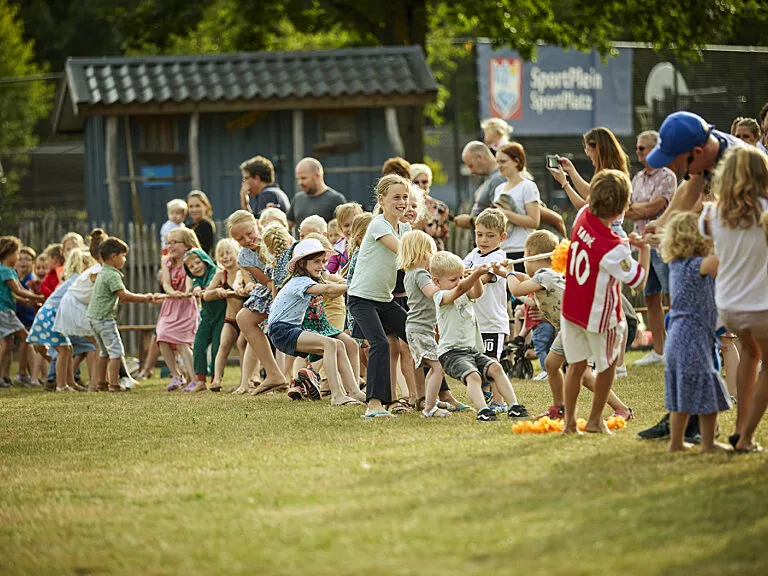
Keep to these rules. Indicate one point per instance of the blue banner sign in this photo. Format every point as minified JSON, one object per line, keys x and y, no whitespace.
{"x":561,"y":93}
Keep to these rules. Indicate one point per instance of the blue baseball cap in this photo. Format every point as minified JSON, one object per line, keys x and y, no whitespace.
{"x":681,"y":132}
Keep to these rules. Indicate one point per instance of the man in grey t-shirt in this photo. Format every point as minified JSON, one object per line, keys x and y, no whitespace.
{"x":479,"y":159}
{"x":315,"y":196}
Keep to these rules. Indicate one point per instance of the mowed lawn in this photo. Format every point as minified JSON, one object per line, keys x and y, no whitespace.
{"x":151,"y":482}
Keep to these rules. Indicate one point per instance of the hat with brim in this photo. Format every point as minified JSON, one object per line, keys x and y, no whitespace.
{"x":680,"y":132}
{"x":303,"y":249}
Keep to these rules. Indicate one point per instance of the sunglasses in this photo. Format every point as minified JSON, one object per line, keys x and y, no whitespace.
{"x":421,"y":181}
{"x":640,"y":148}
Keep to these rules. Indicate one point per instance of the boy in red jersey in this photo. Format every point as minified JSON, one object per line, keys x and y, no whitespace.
{"x":592,"y":323}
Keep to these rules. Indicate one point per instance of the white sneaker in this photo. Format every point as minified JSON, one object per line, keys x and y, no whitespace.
{"x":540,"y":376}
{"x":621,"y":372}
{"x":649,"y":359}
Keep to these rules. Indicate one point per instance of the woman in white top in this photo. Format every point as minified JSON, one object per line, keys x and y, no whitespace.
{"x":518,"y":198}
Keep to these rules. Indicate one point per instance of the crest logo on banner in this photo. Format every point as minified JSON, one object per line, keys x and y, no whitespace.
{"x":506,"y":83}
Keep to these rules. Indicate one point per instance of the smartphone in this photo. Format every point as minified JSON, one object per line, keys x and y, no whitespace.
{"x":553,"y":162}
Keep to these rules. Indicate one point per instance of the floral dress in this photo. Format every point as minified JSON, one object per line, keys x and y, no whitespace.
{"x":260,"y":298}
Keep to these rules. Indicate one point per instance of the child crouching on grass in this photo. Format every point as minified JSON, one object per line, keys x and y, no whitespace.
{"x":108,"y":290}
{"x":460,"y":349}
{"x":592,"y":323}
{"x":201,"y":269}
{"x":693,"y":384}
{"x":547,"y":286}
{"x":287,"y":313}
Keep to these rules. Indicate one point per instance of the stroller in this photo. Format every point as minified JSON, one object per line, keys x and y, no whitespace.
{"x":514,"y":361}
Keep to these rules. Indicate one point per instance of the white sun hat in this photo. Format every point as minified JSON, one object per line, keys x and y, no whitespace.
{"x":303,"y":249}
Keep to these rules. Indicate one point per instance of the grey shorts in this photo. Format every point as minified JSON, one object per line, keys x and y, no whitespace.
{"x":9,"y":323}
{"x":461,"y":363}
{"x":557,"y":345}
{"x":108,"y":338}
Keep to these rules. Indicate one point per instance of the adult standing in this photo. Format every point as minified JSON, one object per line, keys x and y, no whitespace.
{"x":200,"y":213}
{"x":518,"y":198}
{"x":652,"y":189}
{"x":691,"y":148}
{"x":480,"y":161}
{"x":259,"y":190}
{"x":438,"y":213}
{"x":315,"y":196}
{"x":496,"y":133}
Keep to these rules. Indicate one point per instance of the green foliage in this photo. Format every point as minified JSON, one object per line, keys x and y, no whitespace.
{"x":438,"y":172}
{"x":22,"y":104}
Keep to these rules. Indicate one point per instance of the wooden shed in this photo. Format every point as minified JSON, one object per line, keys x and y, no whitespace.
{"x":157,"y":127}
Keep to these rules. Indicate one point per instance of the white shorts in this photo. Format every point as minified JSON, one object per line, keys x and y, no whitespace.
{"x":581,"y":344}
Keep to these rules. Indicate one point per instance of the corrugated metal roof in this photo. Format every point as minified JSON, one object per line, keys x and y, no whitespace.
{"x":249,"y":76}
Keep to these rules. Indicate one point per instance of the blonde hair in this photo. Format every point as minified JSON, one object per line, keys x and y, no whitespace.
{"x":681,"y":238}
{"x":333,"y":224}
{"x":609,"y":193}
{"x":315,"y":223}
{"x":492,"y":218}
{"x":233,"y":246}
{"x":73,"y":236}
{"x":497,"y":125}
{"x":541,"y":242}
{"x":240,"y":217}
{"x":276,"y":239}
{"x":740,"y":180}
{"x":322,"y":239}
{"x":444,"y":263}
{"x":344,"y":211}
{"x":357,"y":230}
{"x":419,"y":169}
{"x":764,"y":224}
{"x":78,"y":260}
{"x":385,"y":183}
{"x":414,"y":247}
{"x":176,"y":205}
{"x":421,"y":203}
{"x":270,"y":215}
{"x":203,"y":197}
{"x":186,"y":236}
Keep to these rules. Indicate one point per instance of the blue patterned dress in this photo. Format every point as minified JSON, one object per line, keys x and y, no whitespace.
{"x":693,"y":385}
{"x":260,"y":298}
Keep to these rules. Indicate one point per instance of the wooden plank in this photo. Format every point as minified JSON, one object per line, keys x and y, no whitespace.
{"x":110,"y":156}
{"x":194,"y":150}
{"x":298,"y":136}
{"x":132,"y":263}
{"x":135,"y":202}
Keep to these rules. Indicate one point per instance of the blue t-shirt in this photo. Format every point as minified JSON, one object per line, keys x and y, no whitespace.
{"x":292,"y":301}
{"x":7,"y":301}
{"x":26,"y":313}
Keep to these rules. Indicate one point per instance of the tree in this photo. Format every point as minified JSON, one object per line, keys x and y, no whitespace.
{"x":23,"y":103}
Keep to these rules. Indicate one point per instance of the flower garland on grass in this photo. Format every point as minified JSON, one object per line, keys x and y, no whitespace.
{"x":545,"y":425}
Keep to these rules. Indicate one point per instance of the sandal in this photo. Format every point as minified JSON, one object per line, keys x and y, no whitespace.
{"x":399,"y":407}
{"x":435,"y":412}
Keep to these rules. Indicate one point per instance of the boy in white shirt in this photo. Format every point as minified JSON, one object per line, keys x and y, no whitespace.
{"x":491,"y":307}
{"x":460,"y":349}
{"x":177,"y":211}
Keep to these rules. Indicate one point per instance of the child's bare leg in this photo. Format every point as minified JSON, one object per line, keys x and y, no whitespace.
{"x":353,"y":354}
{"x":63,"y":364}
{"x":394,"y":359}
{"x":731,"y":364}
{"x":447,"y":397}
{"x":573,"y":375}
{"x":153,"y":352}
{"x":707,"y":426}
{"x":603,"y":383}
{"x":114,"y":373}
{"x":228,"y":339}
{"x":677,"y":423}
{"x":101,"y":370}
{"x":169,"y":356}
{"x":257,"y":340}
{"x":432,"y":383}
{"x":552,"y":364}
{"x":90,"y":361}
{"x":502,"y":384}
{"x":475,"y":390}
{"x":409,"y":373}
{"x":588,"y":381}
{"x":759,"y":401}
{"x":746,"y":375}
{"x":349,"y":381}
{"x":5,"y":357}
{"x":24,"y":354}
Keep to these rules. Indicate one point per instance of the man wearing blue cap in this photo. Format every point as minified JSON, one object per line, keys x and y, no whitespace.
{"x":690,"y":148}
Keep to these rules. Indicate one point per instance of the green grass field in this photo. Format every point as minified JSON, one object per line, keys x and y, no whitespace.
{"x":151,"y":482}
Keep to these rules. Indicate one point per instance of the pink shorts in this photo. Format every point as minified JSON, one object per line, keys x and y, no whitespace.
{"x":756,"y":321}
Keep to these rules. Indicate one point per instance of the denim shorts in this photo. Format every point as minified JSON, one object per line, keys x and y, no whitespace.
{"x":108,"y":338}
{"x":81,"y":345}
{"x":461,"y":363}
{"x":543,"y":335}
{"x":285,"y":336}
{"x":658,"y":275}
